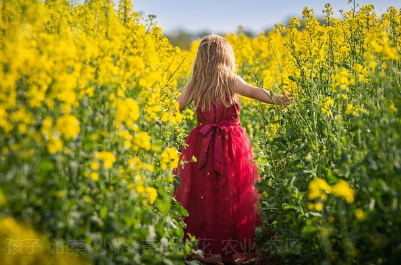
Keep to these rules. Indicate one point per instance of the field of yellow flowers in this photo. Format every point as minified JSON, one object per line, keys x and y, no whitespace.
{"x":331,"y":163}
{"x":90,"y":132}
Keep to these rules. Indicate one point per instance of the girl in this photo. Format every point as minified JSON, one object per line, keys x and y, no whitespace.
{"x":217,"y":186}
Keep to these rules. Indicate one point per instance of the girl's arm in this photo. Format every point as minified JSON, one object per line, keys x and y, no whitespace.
{"x":181,"y":99}
{"x":247,"y":90}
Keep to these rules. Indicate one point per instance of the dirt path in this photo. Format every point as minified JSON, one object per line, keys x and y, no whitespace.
{"x":217,"y":261}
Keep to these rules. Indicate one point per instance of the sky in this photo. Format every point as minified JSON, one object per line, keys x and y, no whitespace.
{"x":225,"y":16}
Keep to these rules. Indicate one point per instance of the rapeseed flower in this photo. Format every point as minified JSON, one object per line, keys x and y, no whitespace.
{"x":318,"y":206}
{"x":142,"y":140}
{"x":152,"y":194}
{"x":318,"y":188}
{"x":68,"y":126}
{"x":359,"y":214}
{"x":169,"y":158}
{"x":107,"y":157}
{"x":342,"y":189}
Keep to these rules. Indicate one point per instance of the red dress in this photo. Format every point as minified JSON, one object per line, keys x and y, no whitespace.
{"x":218,"y":190}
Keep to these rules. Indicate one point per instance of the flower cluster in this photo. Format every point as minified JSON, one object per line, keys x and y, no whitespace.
{"x":319,"y":189}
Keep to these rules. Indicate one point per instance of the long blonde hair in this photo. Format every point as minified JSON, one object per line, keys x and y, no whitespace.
{"x":214,"y":75}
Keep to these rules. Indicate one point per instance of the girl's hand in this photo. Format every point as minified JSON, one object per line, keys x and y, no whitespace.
{"x":283,"y":100}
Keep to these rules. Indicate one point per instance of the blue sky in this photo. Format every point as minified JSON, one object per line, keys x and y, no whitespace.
{"x":224,"y":16}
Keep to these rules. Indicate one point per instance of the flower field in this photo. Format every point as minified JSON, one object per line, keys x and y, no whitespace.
{"x":90,"y":132}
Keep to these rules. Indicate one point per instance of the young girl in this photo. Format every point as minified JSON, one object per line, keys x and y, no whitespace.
{"x":218,"y":186}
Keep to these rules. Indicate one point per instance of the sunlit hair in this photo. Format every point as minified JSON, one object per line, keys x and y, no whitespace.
{"x":214,"y":75}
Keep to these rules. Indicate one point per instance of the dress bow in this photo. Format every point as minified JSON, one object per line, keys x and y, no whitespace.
{"x":218,"y":130}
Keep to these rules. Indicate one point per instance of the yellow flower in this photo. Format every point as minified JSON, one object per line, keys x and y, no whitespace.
{"x":372,"y":65}
{"x":22,"y":128}
{"x":125,"y":134}
{"x":127,"y":110}
{"x":149,"y":167}
{"x":94,"y":176}
{"x":349,"y":108}
{"x":127,"y":144}
{"x":94,"y":137}
{"x":354,"y":110}
{"x":94,"y":165}
{"x":156,"y":148}
{"x":107,"y":157}
{"x":393,"y":107}
{"x":140,"y":189}
{"x":136,"y":163}
{"x":326,"y":105}
{"x":138,"y":177}
{"x":318,"y":188}
{"x":342,"y":79}
{"x":4,"y":123}
{"x":361,"y":73}
{"x":271,"y":132}
{"x":142,"y":140}
{"x":68,"y":126}
{"x":359,"y":214}
{"x":169,"y":158}
{"x":47,"y":124}
{"x":318,"y":206}
{"x":342,"y":189}
{"x":189,"y":113}
{"x":152,"y":194}
{"x":54,"y":145}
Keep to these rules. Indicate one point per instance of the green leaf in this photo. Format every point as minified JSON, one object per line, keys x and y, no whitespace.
{"x":315,"y":214}
{"x":308,"y":231}
{"x":177,"y":206}
{"x":291,"y":131}
{"x":182,"y":224}
{"x":45,"y":166}
{"x":187,"y":248}
{"x":163,"y":205}
{"x":289,"y":207}
{"x":103,"y":213}
{"x":179,"y":232}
